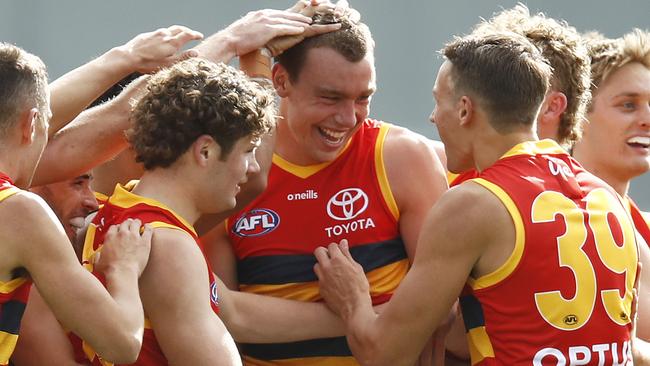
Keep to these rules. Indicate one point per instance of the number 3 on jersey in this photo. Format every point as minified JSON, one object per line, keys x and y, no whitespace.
{"x":619,"y":258}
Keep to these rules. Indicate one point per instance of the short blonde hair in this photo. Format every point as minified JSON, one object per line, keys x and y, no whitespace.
{"x":609,"y":55}
{"x":23,"y":79}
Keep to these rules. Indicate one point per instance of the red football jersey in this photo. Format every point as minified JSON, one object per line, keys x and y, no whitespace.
{"x":120,"y":206}
{"x":13,"y":294}
{"x":640,"y":223}
{"x":456,"y":179}
{"x":564,"y":295}
{"x":305,"y":207}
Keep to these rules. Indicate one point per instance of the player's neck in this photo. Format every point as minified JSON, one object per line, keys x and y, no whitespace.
{"x":10,"y":165}
{"x":166,"y":187}
{"x":596,"y":166}
{"x":492,"y":146}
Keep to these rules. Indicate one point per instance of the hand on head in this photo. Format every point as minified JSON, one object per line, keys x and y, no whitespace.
{"x":309,"y":9}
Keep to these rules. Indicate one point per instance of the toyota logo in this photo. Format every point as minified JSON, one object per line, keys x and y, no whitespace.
{"x":347,"y":204}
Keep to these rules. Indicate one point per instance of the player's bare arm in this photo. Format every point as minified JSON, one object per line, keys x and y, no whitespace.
{"x":147,"y":52}
{"x":175,"y":294}
{"x":42,"y":341}
{"x":417,"y":180}
{"x":449,"y":251}
{"x":54,"y":268}
{"x":94,"y":137}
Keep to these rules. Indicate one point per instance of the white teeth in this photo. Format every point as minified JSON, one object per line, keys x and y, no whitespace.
{"x":641,"y":140}
{"x":331,"y":134}
{"x":77,"y":222}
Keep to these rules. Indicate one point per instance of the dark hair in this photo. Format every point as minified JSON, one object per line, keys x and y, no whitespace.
{"x":353,"y":41}
{"x":565,"y":51}
{"x":23,"y":79}
{"x":504,"y":72}
{"x":193,"y":98}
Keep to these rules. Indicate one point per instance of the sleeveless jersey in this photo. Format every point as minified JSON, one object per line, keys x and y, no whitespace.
{"x":455,"y":179}
{"x":13,"y":294}
{"x":564,"y":295}
{"x":120,"y":206}
{"x":305,"y":207}
{"x":641,"y":223}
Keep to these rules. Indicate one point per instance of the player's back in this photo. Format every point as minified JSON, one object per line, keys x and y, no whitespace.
{"x":564,"y":295}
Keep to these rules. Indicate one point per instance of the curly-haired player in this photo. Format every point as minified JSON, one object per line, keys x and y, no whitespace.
{"x":196,"y":131}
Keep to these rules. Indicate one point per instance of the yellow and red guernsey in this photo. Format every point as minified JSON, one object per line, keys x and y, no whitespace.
{"x":13,"y":293}
{"x":122,"y":205}
{"x":564,"y":295}
{"x":305,"y":207}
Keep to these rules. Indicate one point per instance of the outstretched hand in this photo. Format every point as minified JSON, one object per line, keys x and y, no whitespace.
{"x":343,"y":283}
{"x":152,"y":51}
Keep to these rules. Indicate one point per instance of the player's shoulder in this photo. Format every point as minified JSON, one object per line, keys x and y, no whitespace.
{"x":172,"y":240}
{"x":398,"y":133}
{"x":402,"y":142}
{"x":27,"y":224}
{"x":472,"y":199}
{"x":25,"y":207}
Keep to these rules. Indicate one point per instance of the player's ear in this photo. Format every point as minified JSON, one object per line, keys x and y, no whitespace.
{"x":281,"y":81}
{"x":554,"y":105}
{"x":465,"y":110}
{"x":28,"y":121}
{"x":204,"y":149}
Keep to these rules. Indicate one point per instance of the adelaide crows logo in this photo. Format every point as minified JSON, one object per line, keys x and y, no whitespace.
{"x":256,"y":222}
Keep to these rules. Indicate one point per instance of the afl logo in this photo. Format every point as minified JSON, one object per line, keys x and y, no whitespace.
{"x":571,"y":319}
{"x":256,"y":222}
{"x":214,"y":296}
{"x":347,"y":204}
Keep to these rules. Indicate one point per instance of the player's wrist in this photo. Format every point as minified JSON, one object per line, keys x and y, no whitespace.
{"x":124,"y":270}
{"x":121,"y":61}
{"x":256,"y":64}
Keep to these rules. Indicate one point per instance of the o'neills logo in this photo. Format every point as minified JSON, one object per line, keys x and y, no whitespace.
{"x":309,"y":194}
{"x":256,"y":222}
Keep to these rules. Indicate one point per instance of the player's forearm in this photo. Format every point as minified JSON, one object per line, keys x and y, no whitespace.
{"x":219,"y":47}
{"x":363,"y":335}
{"x":266,"y":319}
{"x":94,"y":137}
{"x":641,"y":352}
{"x":124,"y":318}
{"x":74,"y":91}
{"x":111,"y":322}
{"x":42,"y":341}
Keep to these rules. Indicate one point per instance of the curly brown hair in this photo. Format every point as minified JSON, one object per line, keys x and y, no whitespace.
{"x":565,"y":51}
{"x":192,"y":98}
{"x":353,"y":41}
